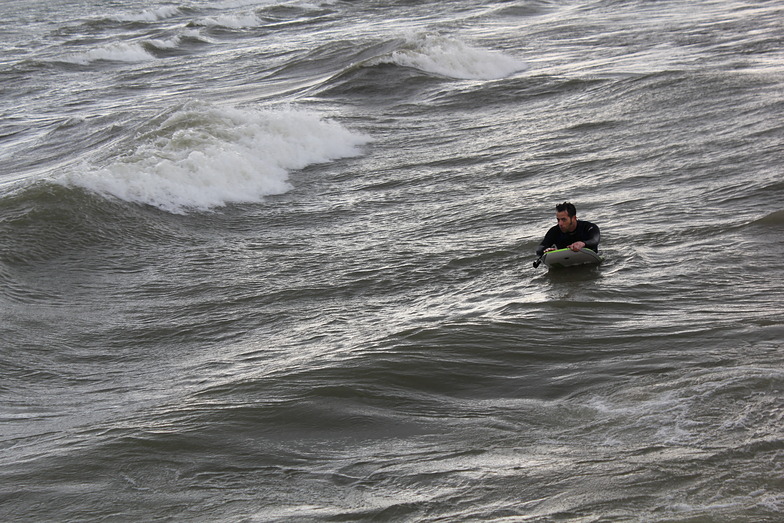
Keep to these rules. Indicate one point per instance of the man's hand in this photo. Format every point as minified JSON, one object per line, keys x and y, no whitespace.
{"x":576,"y":246}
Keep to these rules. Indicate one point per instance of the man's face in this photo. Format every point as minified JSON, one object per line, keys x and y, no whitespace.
{"x":565,"y":222}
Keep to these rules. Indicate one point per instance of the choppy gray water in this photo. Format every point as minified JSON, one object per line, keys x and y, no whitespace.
{"x":271,"y":261}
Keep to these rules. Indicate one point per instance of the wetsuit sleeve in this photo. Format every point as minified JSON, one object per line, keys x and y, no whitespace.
{"x":549,"y":240}
{"x":592,"y":237}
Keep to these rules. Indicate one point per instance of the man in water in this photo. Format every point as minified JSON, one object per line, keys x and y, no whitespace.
{"x":570,"y":232}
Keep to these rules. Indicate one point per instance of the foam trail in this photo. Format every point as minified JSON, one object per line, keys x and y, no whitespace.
{"x":454,"y":59}
{"x":203,"y":157}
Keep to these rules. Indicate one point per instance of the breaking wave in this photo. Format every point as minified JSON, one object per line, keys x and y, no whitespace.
{"x":200,"y":157}
{"x":454,"y":59}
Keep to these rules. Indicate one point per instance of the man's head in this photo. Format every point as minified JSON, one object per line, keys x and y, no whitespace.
{"x":566,"y":214}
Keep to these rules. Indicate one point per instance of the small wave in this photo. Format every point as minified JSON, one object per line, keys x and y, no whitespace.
{"x":114,"y":52}
{"x":454,"y":59}
{"x":231,"y":21}
{"x":233,"y":4}
{"x":194,"y":36}
{"x":152,"y":15}
{"x":525,"y":10}
{"x":167,"y":44}
{"x":202,"y":157}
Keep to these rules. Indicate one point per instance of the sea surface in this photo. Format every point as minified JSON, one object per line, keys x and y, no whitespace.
{"x":266,"y":260}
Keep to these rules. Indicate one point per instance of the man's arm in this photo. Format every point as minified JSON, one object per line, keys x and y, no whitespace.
{"x":589,"y":232}
{"x":548,"y":241}
{"x":592,"y":237}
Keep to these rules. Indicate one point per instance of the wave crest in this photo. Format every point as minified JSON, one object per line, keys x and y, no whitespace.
{"x":202,"y":157}
{"x":151,"y":15}
{"x":454,"y":59}
{"x":231,"y":21}
{"x":114,"y":52}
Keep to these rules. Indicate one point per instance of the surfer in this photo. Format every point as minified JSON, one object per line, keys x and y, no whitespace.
{"x":570,"y":232}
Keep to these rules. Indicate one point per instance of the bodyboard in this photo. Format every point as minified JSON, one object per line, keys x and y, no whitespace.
{"x":569,"y":258}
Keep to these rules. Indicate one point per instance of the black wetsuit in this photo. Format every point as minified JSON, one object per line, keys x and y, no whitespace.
{"x":586,"y":232}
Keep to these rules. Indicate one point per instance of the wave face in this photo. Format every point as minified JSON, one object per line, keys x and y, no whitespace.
{"x":267,"y":260}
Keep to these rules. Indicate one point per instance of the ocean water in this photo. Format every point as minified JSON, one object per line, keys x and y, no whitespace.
{"x":267,"y":260}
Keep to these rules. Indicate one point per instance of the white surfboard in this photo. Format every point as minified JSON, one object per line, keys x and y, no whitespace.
{"x":569,"y":258}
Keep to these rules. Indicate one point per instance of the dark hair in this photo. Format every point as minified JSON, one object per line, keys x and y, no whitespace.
{"x":568,"y":207}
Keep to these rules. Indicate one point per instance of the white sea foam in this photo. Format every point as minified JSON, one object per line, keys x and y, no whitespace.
{"x":152,"y":15}
{"x":454,"y":59}
{"x":232,"y":21}
{"x":170,"y":43}
{"x":203,"y":157}
{"x":114,"y":52}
